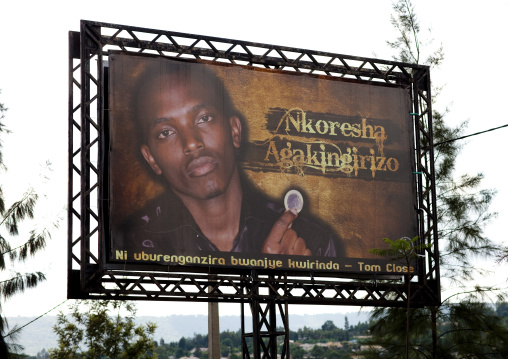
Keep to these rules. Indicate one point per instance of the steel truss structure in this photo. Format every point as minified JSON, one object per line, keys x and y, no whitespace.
{"x":90,"y":277}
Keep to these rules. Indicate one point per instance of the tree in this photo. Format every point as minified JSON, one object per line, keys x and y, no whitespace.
{"x":17,"y":245}
{"x":463,"y":207}
{"x":403,"y":250}
{"x":43,"y":354}
{"x":328,"y":325}
{"x":332,"y":353}
{"x":182,"y":343}
{"x":502,"y":310}
{"x":463,"y":213}
{"x":90,"y":332}
{"x":317,"y":352}
{"x":226,"y":347}
{"x":180,"y":353}
{"x":465,"y":329}
{"x":346,"y":328}
{"x":297,"y":352}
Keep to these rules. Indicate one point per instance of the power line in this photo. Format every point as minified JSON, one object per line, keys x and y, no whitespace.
{"x":30,"y":322}
{"x":474,"y":134}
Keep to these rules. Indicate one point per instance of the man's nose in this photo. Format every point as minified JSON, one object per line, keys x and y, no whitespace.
{"x":192,"y":140}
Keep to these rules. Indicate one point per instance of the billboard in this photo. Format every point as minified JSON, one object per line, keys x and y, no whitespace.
{"x":219,"y":165}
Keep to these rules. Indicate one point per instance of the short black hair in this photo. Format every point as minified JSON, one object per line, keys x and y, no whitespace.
{"x":184,"y":72}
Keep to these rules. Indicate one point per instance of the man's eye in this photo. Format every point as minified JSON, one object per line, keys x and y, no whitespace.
{"x":165,"y":134}
{"x":204,"y":119}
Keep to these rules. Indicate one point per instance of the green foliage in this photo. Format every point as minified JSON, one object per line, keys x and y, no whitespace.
{"x":334,"y":353}
{"x":328,"y":332}
{"x":468,"y":328}
{"x":231,"y":343}
{"x":317,"y":352}
{"x":502,"y":311}
{"x":462,"y":206}
{"x":408,"y":44}
{"x":226,"y":347}
{"x":15,"y":246}
{"x":43,"y":354}
{"x":297,"y":352}
{"x":401,"y":250}
{"x":90,"y":331}
{"x":328,"y":325}
{"x":465,"y":329}
{"x":184,"y":346}
{"x":475,"y":328}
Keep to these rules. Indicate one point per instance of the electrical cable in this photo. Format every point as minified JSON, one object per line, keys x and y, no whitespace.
{"x":30,"y":322}
{"x":473,"y":134}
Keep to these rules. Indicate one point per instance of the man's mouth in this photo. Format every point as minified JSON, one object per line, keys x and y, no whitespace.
{"x":201,"y":166}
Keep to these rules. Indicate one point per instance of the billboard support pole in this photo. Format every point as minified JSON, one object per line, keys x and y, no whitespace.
{"x":213,"y":328}
{"x":213,"y":331}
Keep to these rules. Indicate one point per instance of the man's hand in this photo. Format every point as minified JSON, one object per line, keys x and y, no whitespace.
{"x":284,"y":240}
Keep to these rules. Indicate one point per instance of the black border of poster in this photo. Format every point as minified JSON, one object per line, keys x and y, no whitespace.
{"x":91,"y":276}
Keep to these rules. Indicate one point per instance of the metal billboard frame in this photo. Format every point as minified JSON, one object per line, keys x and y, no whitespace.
{"x":88,"y":277}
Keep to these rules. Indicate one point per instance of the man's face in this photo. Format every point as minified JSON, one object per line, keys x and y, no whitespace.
{"x":188,"y":139}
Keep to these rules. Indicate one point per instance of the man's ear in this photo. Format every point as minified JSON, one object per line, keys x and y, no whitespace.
{"x":149,"y":158}
{"x":236,"y":130}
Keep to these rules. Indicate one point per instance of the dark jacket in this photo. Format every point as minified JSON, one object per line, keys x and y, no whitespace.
{"x":166,"y":226}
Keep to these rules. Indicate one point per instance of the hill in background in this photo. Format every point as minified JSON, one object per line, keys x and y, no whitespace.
{"x":39,"y":334}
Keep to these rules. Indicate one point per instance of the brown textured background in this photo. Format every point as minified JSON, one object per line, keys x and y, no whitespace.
{"x":362,"y":212}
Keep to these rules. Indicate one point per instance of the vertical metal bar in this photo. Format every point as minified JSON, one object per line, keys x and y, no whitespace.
{"x":428,"y":182}
{"x":419,"y":175}
{"x":286,"y":352}
{"x":256,"y":338}
{"x":285,"y":318}
{"x":90,"y":49}
{"x":434,"y":240}
{"x":272,"y":330}
{"x":85,"y":155}
{"x":254,"y":305}
{"x":101,"y":98}
{"x":73,"y":49}
{"x":283,"y":311}
{"x":245,"y":348}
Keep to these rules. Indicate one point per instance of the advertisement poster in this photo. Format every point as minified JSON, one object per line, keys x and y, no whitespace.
{"x":213,"y":164}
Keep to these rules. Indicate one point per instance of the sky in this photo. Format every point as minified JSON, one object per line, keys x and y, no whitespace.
{"x":33,"y":81}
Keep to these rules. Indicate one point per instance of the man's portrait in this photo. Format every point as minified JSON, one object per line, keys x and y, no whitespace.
{"x":201,"y":156}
